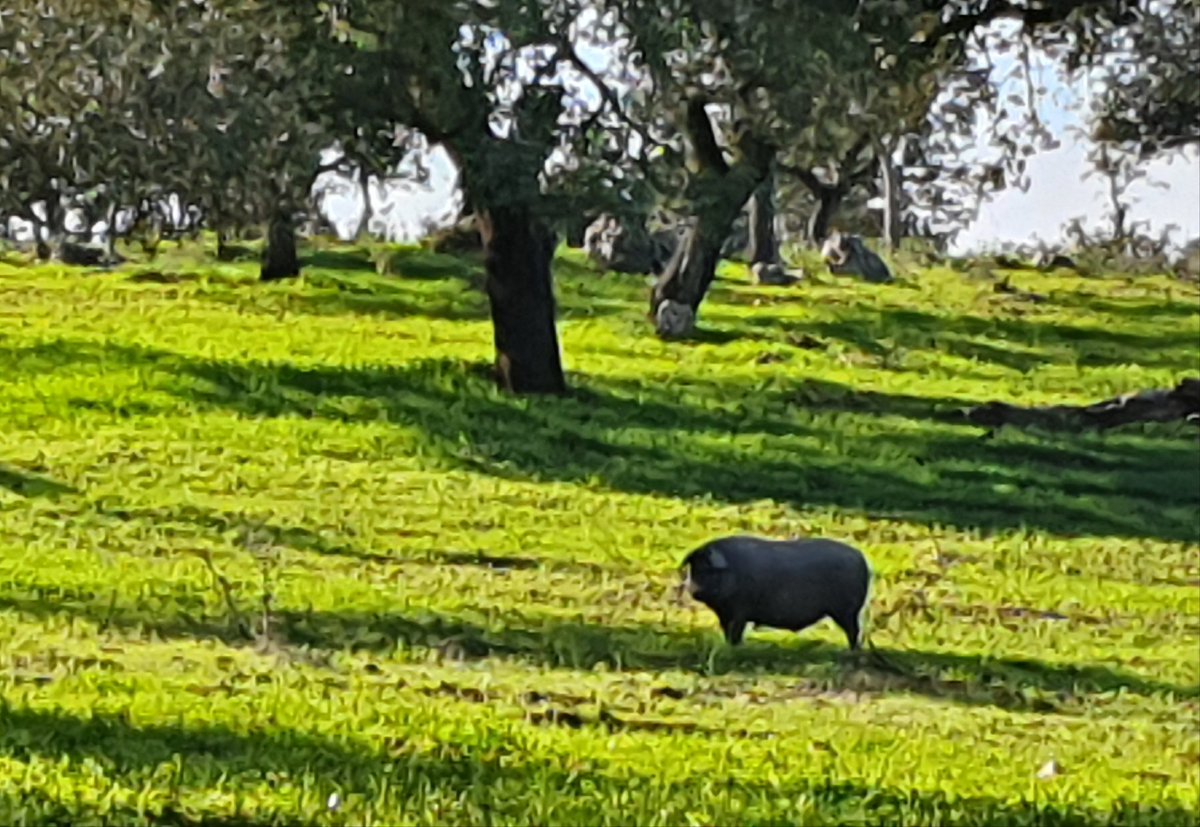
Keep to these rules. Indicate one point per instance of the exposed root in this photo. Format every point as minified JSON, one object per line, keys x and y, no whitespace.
{"x":1160,"y":405}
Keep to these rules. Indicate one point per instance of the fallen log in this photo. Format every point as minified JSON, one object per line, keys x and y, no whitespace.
{"x":1158,"y":405}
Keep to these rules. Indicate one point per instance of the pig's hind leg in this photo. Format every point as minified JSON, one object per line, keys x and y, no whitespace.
{"x":848,"y":623}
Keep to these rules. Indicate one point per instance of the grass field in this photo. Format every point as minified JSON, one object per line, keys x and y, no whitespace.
{"x":468,"y":598}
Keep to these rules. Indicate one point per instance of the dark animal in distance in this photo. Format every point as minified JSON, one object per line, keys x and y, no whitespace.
{"x":784,"y":584}
{"x":848,"y":255}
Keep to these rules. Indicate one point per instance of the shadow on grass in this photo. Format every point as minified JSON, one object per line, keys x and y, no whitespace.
{"x":406,"y":263}
{"x":41,"y":806}
{"x":1015,"y":684}
{"x":249,"y":527}
{"x":478,"y":777}
{"x":346,"y":260}
{"x":422,"y":285}
{"x":644,"y":439}
{"x":1144,"y":309}
{"x":26,"y":483}
{"x":1020,"y":344}
{"x":544,"y":641}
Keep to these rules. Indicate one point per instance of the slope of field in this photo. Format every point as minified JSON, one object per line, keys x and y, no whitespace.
{"x":281,"y":554}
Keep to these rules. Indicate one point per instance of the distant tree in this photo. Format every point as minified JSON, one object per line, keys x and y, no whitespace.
{"x":779,"y":76}
{"x":71,"y":91}
{"x":1150,"y":70}
{"x":830,"y":183}
{"x":219,"y":102}
{"x":251,"y":106}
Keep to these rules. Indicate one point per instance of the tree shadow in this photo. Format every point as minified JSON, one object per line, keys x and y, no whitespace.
{"x":424,"y":264}
{"x":27,"y":483}
{"x":643,"y":439}
{"x":423,"y":284}
{"x":1144,"y":309}
{"x":1096,"y":346}
{"x":40,"y":806}
{"x":1019,"y":344}
{"x":478,"y":775}
{"x":546,"y":641}
{"x":1018,"y":684}
{"x":592,"y":435}
{"x":345,"y":260}
{"x":251,"y":529}
{"x":267,"y":532}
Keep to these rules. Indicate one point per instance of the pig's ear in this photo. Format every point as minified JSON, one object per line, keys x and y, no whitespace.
{"x":717,"y":560}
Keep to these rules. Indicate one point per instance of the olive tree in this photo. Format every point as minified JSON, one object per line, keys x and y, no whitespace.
{"x":781,"y":74}
{"x":487,"y":82}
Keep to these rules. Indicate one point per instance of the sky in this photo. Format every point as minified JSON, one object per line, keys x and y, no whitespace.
{"x":1059,"y":191}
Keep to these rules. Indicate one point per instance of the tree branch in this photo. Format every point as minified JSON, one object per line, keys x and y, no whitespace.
{"x":805,"y":176}
{"x":567,"y":50}
{"x":700,"y":132}
{"x":1043,"y":13}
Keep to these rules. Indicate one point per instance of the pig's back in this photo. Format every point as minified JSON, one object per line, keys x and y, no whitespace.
{"x":790,"y":583}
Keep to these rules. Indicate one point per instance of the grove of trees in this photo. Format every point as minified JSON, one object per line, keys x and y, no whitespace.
{"x":706,"y":108}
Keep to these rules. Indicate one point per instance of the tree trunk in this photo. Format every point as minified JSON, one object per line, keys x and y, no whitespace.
{"x":829,"y":199}
{"x":517,"y":255}
{"x":890,"y":180}
{"x":763,"y":246}
{"x":717,"y":192}
{"x":364,"y":221}
{"x":110,"y":232}
{"x":279,"y":255}
{"x":692,"y":267}
{"x":223,"y":251}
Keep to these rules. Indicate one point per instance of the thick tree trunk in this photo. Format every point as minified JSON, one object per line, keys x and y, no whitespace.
{"x":691,"y":270}
{"x":692,"y":267}
{"x":279,"y":255}
{"x":717,"y":192}
{"x":517,"y":255}
{"x":829,"y":199}
{"x":763,"y":246}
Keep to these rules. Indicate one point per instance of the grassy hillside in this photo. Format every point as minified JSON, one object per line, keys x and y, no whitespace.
{"x":468,"y":597}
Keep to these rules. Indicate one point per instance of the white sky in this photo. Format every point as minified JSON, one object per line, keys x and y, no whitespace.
{"x":1060,"y":190}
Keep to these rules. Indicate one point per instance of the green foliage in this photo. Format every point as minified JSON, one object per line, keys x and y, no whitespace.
{"x":225,"y":104}
{"x":260,"y":545}
{"x":1152,"y":100}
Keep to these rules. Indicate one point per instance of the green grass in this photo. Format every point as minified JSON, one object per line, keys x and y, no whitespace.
{"x":468,"y":597}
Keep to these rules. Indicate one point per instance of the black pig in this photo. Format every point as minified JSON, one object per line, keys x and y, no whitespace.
{"x":785,"y":584}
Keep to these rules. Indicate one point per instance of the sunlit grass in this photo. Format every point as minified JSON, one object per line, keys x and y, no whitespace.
{"x":467,"y":598}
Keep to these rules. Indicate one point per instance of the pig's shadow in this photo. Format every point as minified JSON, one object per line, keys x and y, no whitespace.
{"x":821,"y":667}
